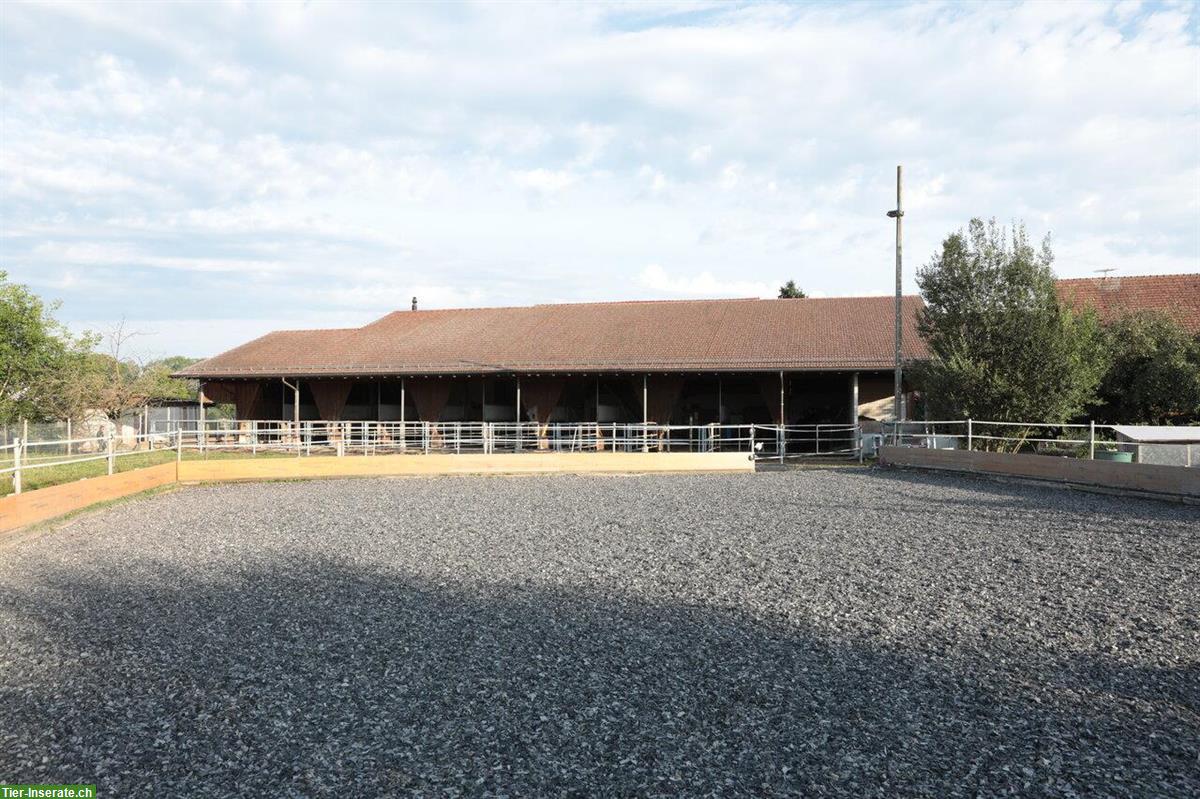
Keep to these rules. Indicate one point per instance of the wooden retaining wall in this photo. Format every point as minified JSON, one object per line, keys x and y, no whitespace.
{"x":1147,"y":478}
{"x":524,"y":463}
{"x":20,"y":510}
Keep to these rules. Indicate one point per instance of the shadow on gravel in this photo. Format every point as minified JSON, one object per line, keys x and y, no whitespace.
{"x":1019,"y":494}
{"x":322,"y":677}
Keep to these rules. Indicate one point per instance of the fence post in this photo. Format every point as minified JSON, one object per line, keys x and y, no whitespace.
{"x":1091,"y":439}
{"x":111,"y":455}
{"x":179,"y":444}
{"x":68,"y":435}
{"x":17,"y":444}
{"x":970,"y":435}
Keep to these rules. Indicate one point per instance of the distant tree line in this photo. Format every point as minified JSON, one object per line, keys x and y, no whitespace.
{"x":1005,"y":347}
{"x":48,"y":373}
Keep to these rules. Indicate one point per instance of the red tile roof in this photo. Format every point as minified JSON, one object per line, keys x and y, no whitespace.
{"x":1176,"y":295}
{"x":841,"y":333}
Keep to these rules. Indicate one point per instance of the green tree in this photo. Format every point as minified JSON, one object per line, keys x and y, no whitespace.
{"x":160,"y":384}
{"x":36,"y":351}
{"x":1002,"y":346}
{"x":1154,"y":377}
{"x":117,"y":383}
{"x":790,"y":291}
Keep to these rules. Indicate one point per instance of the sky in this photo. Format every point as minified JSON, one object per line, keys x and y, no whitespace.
{"x":211,"y":172}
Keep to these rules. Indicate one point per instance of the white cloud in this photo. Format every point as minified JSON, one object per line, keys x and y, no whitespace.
{"x":291,"y":161}
{"x":547,"y":181}
{"x":701,"y":284}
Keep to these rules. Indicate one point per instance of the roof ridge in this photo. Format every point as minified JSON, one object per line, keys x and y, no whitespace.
{"x":1126,"y":277}
{"x":310,"y":330}
{"x":674,"y":301}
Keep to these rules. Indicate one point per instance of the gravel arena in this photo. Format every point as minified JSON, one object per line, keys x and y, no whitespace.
{"x":823,"y":632}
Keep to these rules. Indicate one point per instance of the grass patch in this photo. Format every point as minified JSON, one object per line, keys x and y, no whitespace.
{"x":33,"y":479}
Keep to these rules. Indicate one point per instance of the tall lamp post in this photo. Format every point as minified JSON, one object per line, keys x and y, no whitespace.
{"x":898,"y":215}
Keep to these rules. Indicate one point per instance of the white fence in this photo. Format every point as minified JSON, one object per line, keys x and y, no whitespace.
{"x":1092,"y":441}
{"x":215,"y":436}
{"x":368,"y":438}
{"x":20,"y":457}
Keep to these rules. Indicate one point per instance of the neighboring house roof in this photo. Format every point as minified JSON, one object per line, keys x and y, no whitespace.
{"x":1158,"y":434}
{"x":839,"y":333}
{"x":1175,"y":295}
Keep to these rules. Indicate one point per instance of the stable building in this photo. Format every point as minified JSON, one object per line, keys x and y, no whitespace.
{"x":689,"y":362}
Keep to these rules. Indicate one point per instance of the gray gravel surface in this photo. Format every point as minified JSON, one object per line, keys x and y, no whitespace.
{"x":823,"y":633}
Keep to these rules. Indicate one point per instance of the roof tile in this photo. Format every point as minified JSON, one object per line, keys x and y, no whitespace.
{"x":1175,"y":295}
{"x":681,"y":335}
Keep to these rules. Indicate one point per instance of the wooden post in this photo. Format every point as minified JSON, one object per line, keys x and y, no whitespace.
{"x":296,"y":416}
{"x":296,"y":436}
{"x":518,"y":445}
{"x":599,"y":430}
{"x":645,"y":417}
{"x":720,"y":400}
{"x":898,"y":214}
{"x":111,"y":452}
{"x":403,"y":430}
{"x":178,"y":444}
{"x":69,"y":445}
{"x":201,"y":432}
{"x":17,"y":444}
{"x":856,"y":433}
{"x":782,"y":421}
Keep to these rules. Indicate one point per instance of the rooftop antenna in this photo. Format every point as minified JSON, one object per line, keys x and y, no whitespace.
{"x":1104,"y":272}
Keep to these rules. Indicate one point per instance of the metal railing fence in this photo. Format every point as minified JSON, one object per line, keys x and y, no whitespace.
{"x":1076,"y":440}
{"x":215,"y":436}
{"x":369,"y":437}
